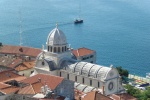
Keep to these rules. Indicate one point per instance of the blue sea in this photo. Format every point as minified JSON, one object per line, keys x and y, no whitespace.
{"x":119,"y":30}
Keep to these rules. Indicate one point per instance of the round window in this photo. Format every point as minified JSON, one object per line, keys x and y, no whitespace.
{"x":111,"y":86}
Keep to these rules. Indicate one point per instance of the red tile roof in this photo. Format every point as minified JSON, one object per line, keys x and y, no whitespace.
{"x":15,"y":62}
{"x":8,"y":49}
{"x":5,"y":61}
{"x":25,"y":65}
{"x":82,"y":52}
{"x":123,"y":96}
{"x":93,"y":95}
{"x":51,"y":81}
{"x":9,"y":75}
{"x":37,"y":87}
{"x":9,"y":90}
{"x":3,"y":85}
{"x":26,"y":90}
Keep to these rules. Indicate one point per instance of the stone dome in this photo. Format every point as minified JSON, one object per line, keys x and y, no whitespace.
{"x":56,"y":37}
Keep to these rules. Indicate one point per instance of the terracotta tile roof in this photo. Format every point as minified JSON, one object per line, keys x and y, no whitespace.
{"x":3,"y":85}
{"x":93,"y":95}
{"x":103,"y":97}
{"x":9,"y":75}
{"x":15,"y":62}
{"x":78,"y":94}
{"x":25,"y":65}
{"x":8,"y":49}
{"x":37,"y":87}
{"x":123,"y":96}
{"x":31,"y":88}
{"x":5,"y":60}
{"x":51,"y":81}
{"x":82,"y":52}
{"x":9,"y":90}
{"x":26,"y":90}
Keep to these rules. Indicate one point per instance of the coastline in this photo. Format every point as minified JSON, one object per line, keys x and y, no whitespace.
{"x":139,"y":78}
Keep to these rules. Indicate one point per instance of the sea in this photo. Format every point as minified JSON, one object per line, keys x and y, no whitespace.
{"x":118,"y":30}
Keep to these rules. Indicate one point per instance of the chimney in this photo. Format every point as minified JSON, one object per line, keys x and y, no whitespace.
{"x":39,"y":79}
{"x":103,"y":91}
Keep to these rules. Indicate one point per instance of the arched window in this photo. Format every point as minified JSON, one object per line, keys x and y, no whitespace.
{"x":76,"y":78}
{"x":98,"y":84}
{"x":90,"y":82}
{"x":83,"y":80}
{"x":58,"y":49}
{"x":54,"y":49}
{"x":65,"y":48}
{"x":51,"y":49}
{"x":67,"y":76}
{"x":62,"y":49}
{"x":48,"y":48}
{"x":60,"y":74}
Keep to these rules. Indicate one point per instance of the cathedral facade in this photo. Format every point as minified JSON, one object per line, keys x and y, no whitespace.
{"x":58,"y":59}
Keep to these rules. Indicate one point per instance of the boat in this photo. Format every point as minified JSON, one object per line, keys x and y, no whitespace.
{"x":147,"y":75}
{"x":77,"y":21}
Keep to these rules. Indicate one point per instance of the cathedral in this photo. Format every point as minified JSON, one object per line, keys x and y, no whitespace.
{"x":58,"y":59}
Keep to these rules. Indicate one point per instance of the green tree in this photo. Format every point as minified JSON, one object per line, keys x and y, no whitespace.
{"x":132,"y":91}
{"x":139,"y":94}
{"x":122,"y":72}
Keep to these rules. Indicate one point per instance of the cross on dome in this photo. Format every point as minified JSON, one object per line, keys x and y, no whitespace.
{"x":56,"y":25}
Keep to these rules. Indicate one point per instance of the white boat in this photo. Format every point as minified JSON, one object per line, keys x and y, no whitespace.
{"x":147,"y":75}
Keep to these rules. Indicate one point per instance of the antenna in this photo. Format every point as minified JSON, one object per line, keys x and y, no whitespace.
{"x":20,"y":28}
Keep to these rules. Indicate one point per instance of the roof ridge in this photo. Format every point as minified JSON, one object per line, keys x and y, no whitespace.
{"x":22,"y":46}
{"x":49,"y":75}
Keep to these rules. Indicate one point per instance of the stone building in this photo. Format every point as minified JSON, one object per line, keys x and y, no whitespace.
{"x":58,"y":59}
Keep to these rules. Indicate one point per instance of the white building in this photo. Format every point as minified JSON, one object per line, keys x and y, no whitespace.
{"x":58,"y":60}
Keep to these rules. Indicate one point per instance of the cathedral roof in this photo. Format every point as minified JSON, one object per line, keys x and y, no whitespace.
{"x":89,"y":70}
{"x":56,"y":37}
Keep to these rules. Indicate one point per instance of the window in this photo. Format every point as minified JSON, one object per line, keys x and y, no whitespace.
{"x":90,"y":82}
{"x":91,"y":56}
{"x":65,"y":48}
{"x":54,"y":49}
{"x":83,"y":58}
{"x":60,"y":74}
{"x":98,"y":85}
{"x":111,"y":86}
{"x":51,"y":49}
{"x":58,"y":49}
{"x":62,"y":49}
{"x":83,"y":80}
{"x":43,"y":63}
{"x":76,"y":78}
{"x":32,"y":71}
{"x":67,"y":76}
{"x":48,"y":48}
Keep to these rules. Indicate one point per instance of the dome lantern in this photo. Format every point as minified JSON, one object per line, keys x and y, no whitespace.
{"x":56,"y":41}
